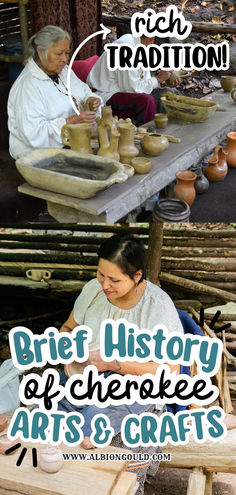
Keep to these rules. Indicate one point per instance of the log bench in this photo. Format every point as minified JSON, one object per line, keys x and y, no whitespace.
{"x":204,"y":459}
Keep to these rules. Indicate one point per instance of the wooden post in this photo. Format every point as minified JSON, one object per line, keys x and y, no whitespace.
{"x":196,"y":482}
{"x":23,"y":27}
{"x":154,"y":252}
{"x":209,"y":479}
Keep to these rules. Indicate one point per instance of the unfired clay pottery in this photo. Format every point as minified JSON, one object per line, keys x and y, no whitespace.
{"x":154,"y":145}
{"x":201,"y":183}
{"x":161,"y":120}
{"x":6,"y":443}
{"x":233,"y":94}
{"x":141,"y":164}
{"x":228,"y":82}
{"x":127,"y":148}
{"x":217,"y":168}
{"x":184,"y":188}
{"x":3,"y":422}
{"x":231,"y":149}
{"x":50,"y":459}
{"x":77,"y":136}
{"x":108,"y":140}
{"x":129,"y":170}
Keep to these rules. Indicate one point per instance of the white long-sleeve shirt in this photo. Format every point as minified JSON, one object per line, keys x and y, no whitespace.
{"x":107,"y":82}
{"x":37,"y":110}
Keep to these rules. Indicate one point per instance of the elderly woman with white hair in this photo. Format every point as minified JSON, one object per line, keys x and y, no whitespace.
{"x":39,"y":103}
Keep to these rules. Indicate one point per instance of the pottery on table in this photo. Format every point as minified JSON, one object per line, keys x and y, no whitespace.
{"x":50,"y":459}
{"x":233,"y":94}
{"x":68,"y":172}
{"x":161,"y":120}
{"x":231,"y":149}
{"x":187,"y":109}
{"x":6,"y":443}
{"x":201,"y":183}
{"x":184,"y":188}
{"x":129,"y":170}
{"x":228,"y":82}
{"x":3,"y":422}
{"x":108,"y":136}
{"x":126,"y":147}
{"x":77,"y":136}
{"x":154,"y":145}
{"x":141,"y":164}
{"x":217,"y":167}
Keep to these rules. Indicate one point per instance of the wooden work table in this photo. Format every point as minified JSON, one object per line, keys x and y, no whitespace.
{"x":110,"y":205}
{"x":75,"y":477}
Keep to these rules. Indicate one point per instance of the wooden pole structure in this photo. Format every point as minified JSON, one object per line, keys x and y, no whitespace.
{"x":154,"y":252}
{"x":23,"y":27}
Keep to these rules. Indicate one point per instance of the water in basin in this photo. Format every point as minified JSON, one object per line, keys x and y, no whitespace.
{"x":62,"y":164}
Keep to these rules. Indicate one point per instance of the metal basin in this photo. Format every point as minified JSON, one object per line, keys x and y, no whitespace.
{"x":69,"y":172}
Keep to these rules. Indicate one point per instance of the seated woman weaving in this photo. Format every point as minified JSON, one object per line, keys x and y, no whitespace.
{"x":120,"y":291}
{"x":39,"y":103}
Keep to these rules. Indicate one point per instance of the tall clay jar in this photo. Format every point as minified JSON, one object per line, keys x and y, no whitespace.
{"x":231,"y":149}
{"x":217,"y":167}
{"x":184,"y":188}
{"x":127,"y":148}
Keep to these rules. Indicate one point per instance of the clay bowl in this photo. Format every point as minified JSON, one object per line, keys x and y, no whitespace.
{"x":50,"y":459}
{"x":6,"y":443}
{"x":129,"y":170}
{"x":228,"y":82}
{"x":74,"y":368}
{"x":161,"y":120}
{"x":3,"y":422}
{"x":141,"y":165}
{"x":154,"y":145}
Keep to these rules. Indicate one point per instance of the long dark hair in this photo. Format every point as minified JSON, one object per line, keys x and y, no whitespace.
{"x":127,"y":252}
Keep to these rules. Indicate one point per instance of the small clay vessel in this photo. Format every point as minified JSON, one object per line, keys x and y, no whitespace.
{"x":3,"y":422}
{"x":161,"y":120}
{"x":231,"y":149}
{"x":228,"y":82}
{"x":78,"y":137}
{"x":109,"y":139}
{"x":154,"y":145}
{"x":51,"y":459}
{"x":201,"y":183}
{"x":107,"y":113}
{"x":184,"y":188}
{"x":127,"y":148}
{"x":217,"y":168}
{"x":141,"y":164}
{"x":6,"y":443}
{"x":233,"y":94}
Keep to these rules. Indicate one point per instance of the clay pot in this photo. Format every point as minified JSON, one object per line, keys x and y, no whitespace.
{"x":184,"y":188}
{"x":233,"y":94}
{"x":228,"y":82}
{"x":50,"y":459}
{"x":217,"y":168}
{"x":161,"y":120}
{"x":6,"y":443}
{"x":127,"y":148}
{"x":3,"y":422}
{"x":107,"y":113}
{"x":154,"y":145}
{"x":201,"y":183}
{"x":141,"y":164}
{"x":231,"y":149}
{"x":78,"y":137}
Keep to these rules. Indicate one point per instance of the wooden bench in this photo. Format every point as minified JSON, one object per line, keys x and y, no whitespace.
{"x":204,"y":459}
{"x":83,"y":477}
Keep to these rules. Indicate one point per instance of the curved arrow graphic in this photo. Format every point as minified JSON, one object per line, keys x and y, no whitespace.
{"x":104,"y":31}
